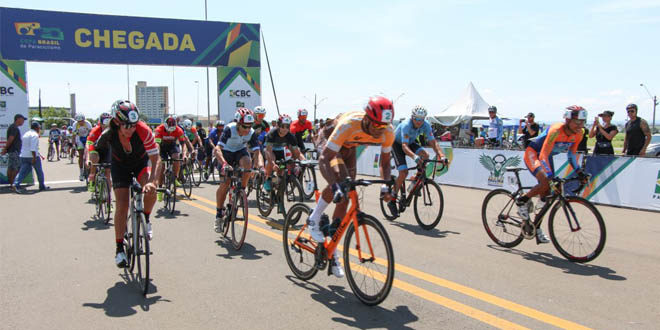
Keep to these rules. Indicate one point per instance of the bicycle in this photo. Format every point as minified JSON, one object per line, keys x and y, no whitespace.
{"x":136,"y":242}
{"x":425,"y":187}
{"x":307,"y":179}
{"x":51,"y":151}
{"x":102,"y":195}
{"x":169,"y":192}
{"x":198,"y":167}
{"x":283,"y":189}
{"x":237,"y":202}
{"x":186,"y":176}
{"x":571,"y":229}
{"x":373,"y":259}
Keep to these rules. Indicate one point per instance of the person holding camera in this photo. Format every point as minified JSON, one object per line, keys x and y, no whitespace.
{"x":604,"y":133}
{"x":530,"y":130}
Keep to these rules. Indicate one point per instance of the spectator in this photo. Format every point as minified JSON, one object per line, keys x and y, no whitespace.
{"x":638,"y":134}
{"x":30,"y":158}
{"x":531,"y":129}
{"x":582,"y":147}
{"x":495,"y":127}
{"x":604,"y":134}
{"x":273,"y":124}
{"x":13,"y":148}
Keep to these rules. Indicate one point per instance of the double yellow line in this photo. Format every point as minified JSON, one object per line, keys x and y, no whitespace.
{"x":430,"y":296}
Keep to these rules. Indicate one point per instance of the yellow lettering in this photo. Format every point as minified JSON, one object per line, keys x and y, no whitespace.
{"x":153,"y":42}
{"x":105,"y":37}
{"x":79,"y":37}
{"x":135,"y":40}
{"x":171,"y":41}
{"x":187,"y":43}
{"x":119,"y":39}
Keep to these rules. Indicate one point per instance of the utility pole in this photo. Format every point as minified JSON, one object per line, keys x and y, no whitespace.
{"x":173,"y":92}
{"x":316,"y":104}
{"x":40,"y":115}
{"x":655,"y":104}
{"x":208,"y":87}
{"x":128,"y":84}
{"x":197,"y":83}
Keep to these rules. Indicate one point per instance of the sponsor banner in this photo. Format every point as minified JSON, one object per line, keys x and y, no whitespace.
{"x":237,"y":87}
{"x":13,"y":100}
{"x":51,"y":36}
{"x":619,"y":181}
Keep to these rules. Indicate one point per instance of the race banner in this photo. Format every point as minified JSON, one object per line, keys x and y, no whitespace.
{"x":37,"y":35}
{"x":13,"y":101}
{"x":237,"y":87}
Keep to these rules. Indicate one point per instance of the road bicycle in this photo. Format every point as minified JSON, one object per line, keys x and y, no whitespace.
{"x":51,"y":151}
{"x":284,"y":191}
{"x":367,"y":253}
{"x":186,"y":177}
{"x":425,"y":195}
{"x":307,"y":179}
{"x":136,"y":241}
{"x":576,"y":228}
{"x":102,"y":195}
{"x":169,"y":191}
{"x":237,"y":209}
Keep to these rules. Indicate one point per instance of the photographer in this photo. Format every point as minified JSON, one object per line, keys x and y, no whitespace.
{"x":604,"y":134}
{"x":530,"y":130}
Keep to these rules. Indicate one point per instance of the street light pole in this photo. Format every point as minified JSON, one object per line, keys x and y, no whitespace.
{"x":173,"y":92}
{"x":655,"y":104}
{"x":208,"y":95}
{"x":316,"y":104}
{"x":197,"y":83}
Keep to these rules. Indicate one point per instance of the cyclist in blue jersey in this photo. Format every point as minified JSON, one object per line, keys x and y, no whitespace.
{"x":211,"y":142}
{"x":405,"y":144}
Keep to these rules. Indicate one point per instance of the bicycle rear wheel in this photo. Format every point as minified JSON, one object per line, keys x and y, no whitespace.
{"x":307,"y":182}
{"x":265,"y":201}
{"x":578,"y":245}
{"x":198,"y":173}
{"x":501,"y":222}
{"x":239,"y":221}
{"x":141,"y":251}
{"x":298,"y":245}
{"x":293,"y":194}
{"x":371,"y":276}
{"x":429,"y":213}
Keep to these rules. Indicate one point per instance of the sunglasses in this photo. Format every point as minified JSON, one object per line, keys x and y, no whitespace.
{"x":129,"y":125}
{"x":246,"y":126}
{"x":418,"y":119}
{"x":632,"y":111}
{"x":379,"y":125}
{"x":285,"y":126}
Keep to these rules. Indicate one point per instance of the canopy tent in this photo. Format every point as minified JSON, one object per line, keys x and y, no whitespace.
{"x":469,"y":106}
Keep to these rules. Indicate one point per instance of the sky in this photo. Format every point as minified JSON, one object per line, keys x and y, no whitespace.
{"x":522,"y":56}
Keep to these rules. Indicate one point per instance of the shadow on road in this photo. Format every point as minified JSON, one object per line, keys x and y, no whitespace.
{"x":162,"y":213}
{"x":30,"y":191}
{"x":355,"y":314}
{"x":95,"y":224}
{"x":568,"y":266}
{"x":124,"y":296}
{"x":247,"y":251}
{"x":417,"y":230}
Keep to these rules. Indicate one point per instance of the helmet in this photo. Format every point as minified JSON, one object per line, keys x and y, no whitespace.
{"x":198,"y":124}
{"x":380,"y":110}
{"x":244,"y":116}
{"x":302,"y":112}
{"x":70,"y":128}
{"x":219,"y":123}
{"x":170,"y":124}
{"x":53,"y":125}
{"x":105,"y":118}
{"x":80,"y":117}
{"x":125,"y":112}
{"x":258,"y":110}
{"x":284,"y":119}
{"x":575,"y":112}
{"x":419,"y":111}
{"x":187,"y":124}
{"x":492,"y":108}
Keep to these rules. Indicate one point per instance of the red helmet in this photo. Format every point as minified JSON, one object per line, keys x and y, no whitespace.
{"x":380,"y":109}
{"x":244,"y":116}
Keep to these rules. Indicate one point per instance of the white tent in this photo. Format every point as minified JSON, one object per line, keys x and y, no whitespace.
{"x":469,"y":106}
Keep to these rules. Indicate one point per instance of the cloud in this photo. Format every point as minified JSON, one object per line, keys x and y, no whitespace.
{"x":615,"y":92}
{"x":618,"y":6}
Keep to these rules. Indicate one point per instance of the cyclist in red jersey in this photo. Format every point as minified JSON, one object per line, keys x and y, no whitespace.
{"x":133,"y":149}
{"x":93,"y":136}
{"x":299,"y":126}
{"x":168,"y":136}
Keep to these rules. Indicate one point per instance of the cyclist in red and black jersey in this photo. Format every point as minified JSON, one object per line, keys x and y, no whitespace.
{"x":133,"y":149}
{"x":300,"y":126}
{"x":94,"y":157}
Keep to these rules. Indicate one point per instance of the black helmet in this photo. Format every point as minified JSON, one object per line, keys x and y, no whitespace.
{"x":125,"y":112}
{"x":492,"y":108}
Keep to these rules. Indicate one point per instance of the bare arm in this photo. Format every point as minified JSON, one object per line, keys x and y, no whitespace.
{"x":385,"y":168}
{"x":647,"y":133}
{"x":327,"y":164}
{"x":10,"y":140}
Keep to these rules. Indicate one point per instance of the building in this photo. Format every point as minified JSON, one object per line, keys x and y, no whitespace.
{"x":152,"y":101}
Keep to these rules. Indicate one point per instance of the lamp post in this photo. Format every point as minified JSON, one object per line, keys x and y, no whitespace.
{"x":197,"y":83}
{"x":316,"y":104}
{"x":655,"y":104}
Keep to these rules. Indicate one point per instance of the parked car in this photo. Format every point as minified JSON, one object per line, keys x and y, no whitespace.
{"x":653,"y":150}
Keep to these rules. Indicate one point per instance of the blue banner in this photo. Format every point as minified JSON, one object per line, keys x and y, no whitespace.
{"x":36,"y":35}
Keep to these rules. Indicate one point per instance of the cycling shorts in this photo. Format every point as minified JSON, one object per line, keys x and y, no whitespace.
{"x":81,"y":141}
{"x":122,"y":175}
{"x":400,"y":156}
{"x":533,"y":163}
{"x":233,"y":158}
{"x":168,"y":149}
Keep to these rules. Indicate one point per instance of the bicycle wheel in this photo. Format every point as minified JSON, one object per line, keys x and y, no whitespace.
{"x":307,"y":182}
{"x":98,"y":201}
{"x":370,"y":277}
{"x":265,"y":201}
{"x":298,"y":245}
{"x":128,"y":239}
{"x":239,"y":221}
{"x":501,"y":222}
{"x":198,"y":173}
{"x":293,"y":194}
{"x":51,"y":153}
{"x":141,"y":251}
{"x":578,"y":245}
{"x":107,"y":197}
{"x":386,"y":210}
{"x":187,"y":179}
{"x":428,"y":204}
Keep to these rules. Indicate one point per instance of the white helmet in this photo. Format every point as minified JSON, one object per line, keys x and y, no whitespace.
{"x":419,"y":111}
{"x":187,"y":124}
{"x":575,"y":112}
{"x":258,"y":110}
{"x":80,"y":117}
{"x":302,"y":112}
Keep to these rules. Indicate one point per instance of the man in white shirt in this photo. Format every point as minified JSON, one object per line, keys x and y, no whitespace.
{"x":30,"y":158}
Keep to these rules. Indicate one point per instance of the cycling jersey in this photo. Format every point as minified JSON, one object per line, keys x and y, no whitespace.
{"x":407,"y":133}
{"x":191,"y":134}
{"x":552,"y":141}
{"x":278,"y":142}
{"x":54,"y":135}
{"x":202,"y":135}
{"x":142,"y":143}
{"x":93,"y":137}
{"x":260,"y":127}
{"x":214,"y":136}
{"x":165,"y":137}
{"x":348,"y":133}
{"x":82,"y":130}
{"x":297,"y":126}
{"x":231,"y":141}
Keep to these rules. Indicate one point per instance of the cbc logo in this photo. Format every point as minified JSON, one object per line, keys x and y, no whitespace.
{"x":6,"y":90}
{"x":239,"y":93}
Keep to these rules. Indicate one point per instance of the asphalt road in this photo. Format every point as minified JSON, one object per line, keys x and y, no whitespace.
{"x":57,"y":271}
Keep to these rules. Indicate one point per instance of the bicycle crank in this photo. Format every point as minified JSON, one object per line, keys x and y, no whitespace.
{"x":528,"y":230}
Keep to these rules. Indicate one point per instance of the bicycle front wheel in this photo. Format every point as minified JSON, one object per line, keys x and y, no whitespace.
{"x":370,"y":264}
{"x":293,"y":194}
{"x":308,"y":184}
{"x":51,"y":153}
{"x":428,"y":204}
{"x":141,"y":251}
{"x":298,"y":245}
{"x":99,"y":198}
{"x":107,"y":197}
{"x":500,"y":220}
{"x":264,"y":201}
{"x":577,"y":229}
{"x":187,"y":180}
{"x":239,"y":221}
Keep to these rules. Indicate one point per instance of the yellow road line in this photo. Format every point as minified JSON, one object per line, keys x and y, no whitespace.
{"x":474,"y":293}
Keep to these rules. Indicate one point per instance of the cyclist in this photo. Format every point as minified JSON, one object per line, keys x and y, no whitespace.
{"x":337,"y":143}
{"x":191,"y":134}
{"x":276,"y":140}
{"x":168,"y":137}
{"x":132,"y":145}
{"x":63,"y":140}
{"x":94,"y":157}
{"x":54,"y":138}
{"x":495,"y":127}
{"x":301,"y":128}
{"x":408,"y":142}
{"x":261,"y":129}
{"x":70,"y":141}
{"x":558,"y":138}
{"x":80,"y":131}
{"x":213,"y":138}
{"x":232,"y":151}
{"x":203,"y":139}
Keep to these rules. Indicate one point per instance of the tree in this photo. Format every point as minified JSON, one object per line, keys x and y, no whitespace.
{"x":52,"y":115}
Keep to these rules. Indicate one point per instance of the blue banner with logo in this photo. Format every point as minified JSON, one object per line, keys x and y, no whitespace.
{"x":36,"y":35}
